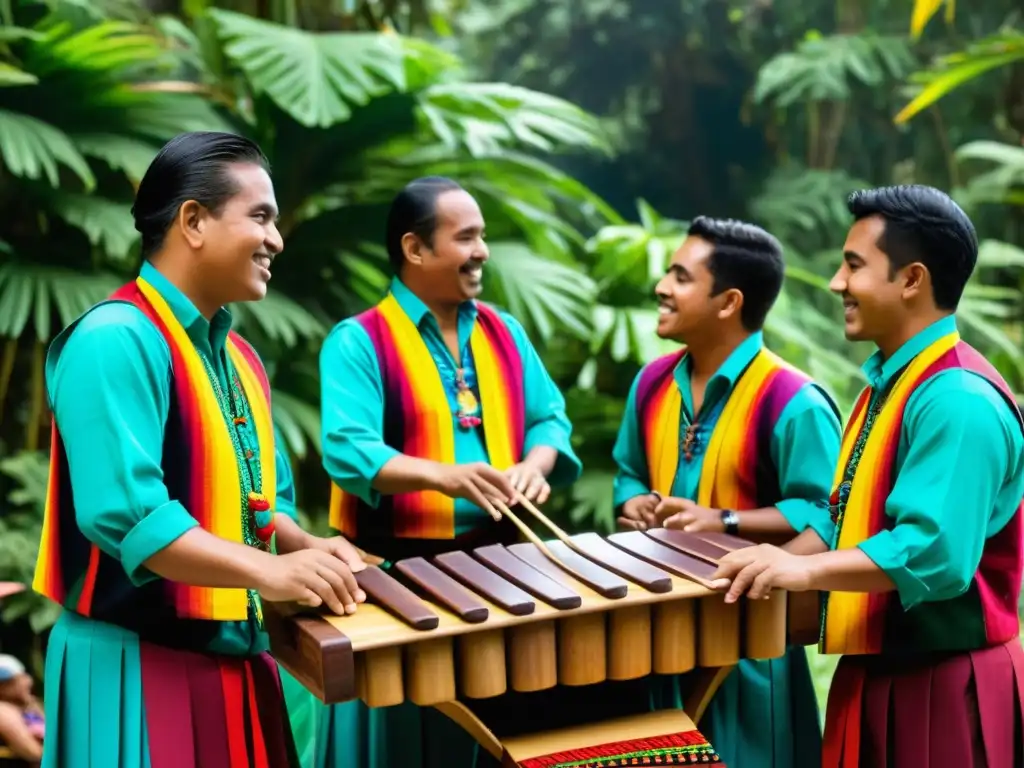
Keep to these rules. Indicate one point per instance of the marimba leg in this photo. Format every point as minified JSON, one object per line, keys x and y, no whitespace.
{"x":465,"y":719}
{"x":704,"y":685}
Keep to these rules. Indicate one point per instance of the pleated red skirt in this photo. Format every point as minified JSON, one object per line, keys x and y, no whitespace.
{"x":214,"y":711}
{"x":960,"y":711}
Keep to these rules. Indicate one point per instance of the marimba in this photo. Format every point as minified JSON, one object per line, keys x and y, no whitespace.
{"x":465,"y":628}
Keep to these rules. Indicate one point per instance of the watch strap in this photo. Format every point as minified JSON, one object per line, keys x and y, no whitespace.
{"x":731,"y":521}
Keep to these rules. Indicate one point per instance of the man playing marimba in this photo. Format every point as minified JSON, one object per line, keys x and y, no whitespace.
{"x":432,"y":403}
{"x":724,"y":436}
{"x":924,"y":578}
{"x":159,"y":533}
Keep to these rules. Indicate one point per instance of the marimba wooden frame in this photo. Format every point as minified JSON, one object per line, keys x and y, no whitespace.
{"x":689,"y":628}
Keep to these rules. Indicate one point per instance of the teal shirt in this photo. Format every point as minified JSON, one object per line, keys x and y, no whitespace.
{"x":959,"y":476}
{"x":352,"y":404}
{"x":285,"y":503}
{"x":108,"y":380}
{"x":804,"y":444}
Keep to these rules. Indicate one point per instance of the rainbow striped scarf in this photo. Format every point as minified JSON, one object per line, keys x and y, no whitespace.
{"x":419,"y":420}
{"x":200,"y":462}
{"x":867,"y":623}
{"x":737,"y":472}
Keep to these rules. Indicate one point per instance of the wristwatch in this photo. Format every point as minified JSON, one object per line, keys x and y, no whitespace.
{"x":731,"y":521}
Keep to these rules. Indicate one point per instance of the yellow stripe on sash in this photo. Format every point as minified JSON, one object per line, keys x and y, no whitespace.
{"x":494,"y":401}
{"x":719,"y":486}
{"x":663,"y":436}
{"x":433,"y":437}
{"x":849,"y":627}
{"x":221,"y":514}
{"x":263,"y":422}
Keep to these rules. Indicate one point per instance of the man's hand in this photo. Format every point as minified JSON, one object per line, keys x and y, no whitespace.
{"x":529,"y":480}
{"x":687,"y":515}
{"x":311,"y":577}
{"x":478,"y":482}
{"x":757,"y":570}
{"x":341,"y":548}
{"x":638,"y":512}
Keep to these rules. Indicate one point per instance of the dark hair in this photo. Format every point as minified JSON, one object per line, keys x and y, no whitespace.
{"x":191,"y":166}
{"x":744,"y":257}
{"x":414,"y":209}
{"x":923,"y":224}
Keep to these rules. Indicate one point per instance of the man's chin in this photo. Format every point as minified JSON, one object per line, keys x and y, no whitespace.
{"x":854,"y":332}
{"x":254,"y":291}
{"x":668,"y":332}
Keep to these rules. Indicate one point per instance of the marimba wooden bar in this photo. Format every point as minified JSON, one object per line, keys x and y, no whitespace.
{"x":469,"y":626}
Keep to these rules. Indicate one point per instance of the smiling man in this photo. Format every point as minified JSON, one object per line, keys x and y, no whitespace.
{"x":925,"y":574}
{"x":160,"y":536}
{"x":433,"y":404}
{"x":724,"y":436}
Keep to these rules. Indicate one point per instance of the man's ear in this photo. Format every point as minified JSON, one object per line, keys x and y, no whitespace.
{"x":732,"y":303}
{"x":413,"y":248}
{"x":916,"y":280}
{"x":191,"y":223}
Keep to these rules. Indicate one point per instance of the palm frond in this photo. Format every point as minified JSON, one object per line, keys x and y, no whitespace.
{"x":827,"y":67}
{"x":299,"y":423}
{"x":36,"y":293}
{"x":952,"y":71}
{"x":279,"y":318}
{"x":33,"y":149}
{"x":316,"y":78}
{"x":546,"y":296}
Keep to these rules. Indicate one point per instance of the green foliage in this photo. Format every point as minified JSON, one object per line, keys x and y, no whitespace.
{"x":19,"y":537}
{"x":953,"y":70}
{"x":623,"y":123}
{"x":825,"y":67}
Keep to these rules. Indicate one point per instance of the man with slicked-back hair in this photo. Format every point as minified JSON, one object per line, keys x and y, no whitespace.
{"x":161,"y":538}
{"x":433,"y":405}
{"x":723,"y":436}
{"x":922,"y":579}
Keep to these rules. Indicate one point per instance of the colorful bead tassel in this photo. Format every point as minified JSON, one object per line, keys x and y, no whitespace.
{"x":263,"y":516}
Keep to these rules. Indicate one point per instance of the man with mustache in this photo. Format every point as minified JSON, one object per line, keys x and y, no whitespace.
{"x":724,"y":436}
{"x":433,"y":405}
{"x":160,"y":537}
{"x":923,"y":578}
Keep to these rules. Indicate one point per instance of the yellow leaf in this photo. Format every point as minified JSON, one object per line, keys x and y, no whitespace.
{"x":953,"y":78}
{"x":922,"y":14}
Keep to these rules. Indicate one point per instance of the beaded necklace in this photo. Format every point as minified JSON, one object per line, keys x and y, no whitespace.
{"x":467,"y":412}
{"x":257,"y":517}
{"x":838,"y":509}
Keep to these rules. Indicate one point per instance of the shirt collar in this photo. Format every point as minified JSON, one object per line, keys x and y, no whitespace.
{"x":208,"y":336}
{"x":414,"y":307}
{"x":724,"y":379}
{"x":879,"y":371}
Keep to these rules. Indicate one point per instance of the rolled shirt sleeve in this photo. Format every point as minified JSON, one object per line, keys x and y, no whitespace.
{"x":109,"y":388}
{"x":546,"y":420}
{"x":352,"y":412}
{"x":805,"y":449}
{"x":630,"y":459}
{"x":959,"y":483}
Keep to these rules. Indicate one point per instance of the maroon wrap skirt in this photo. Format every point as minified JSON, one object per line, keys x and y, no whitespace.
{"x":958,"y":711}
{"x":214,"y":711}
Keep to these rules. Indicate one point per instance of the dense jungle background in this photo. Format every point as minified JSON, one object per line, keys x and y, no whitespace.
{"x":590,"y":131}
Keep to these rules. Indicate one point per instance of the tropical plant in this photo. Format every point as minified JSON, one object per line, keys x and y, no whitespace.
{"x":346,"y":118}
